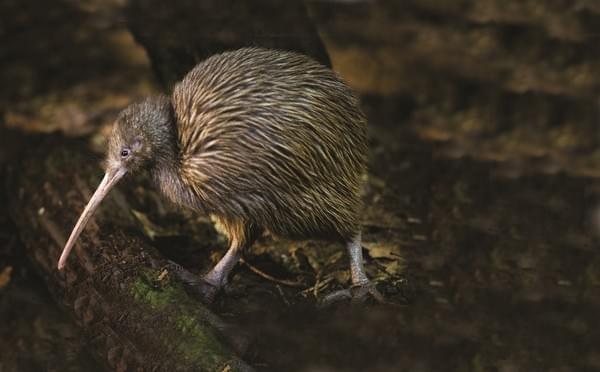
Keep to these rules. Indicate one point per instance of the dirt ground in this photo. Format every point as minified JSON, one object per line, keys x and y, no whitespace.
{"x":481,"y":222}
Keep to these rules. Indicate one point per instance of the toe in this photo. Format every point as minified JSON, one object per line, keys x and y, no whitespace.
{"x":205,"y":290}
{"x":356,"y":294}
{"x":361,"y":292}
{"x":335,"y":297}
{"x":186,"y":276}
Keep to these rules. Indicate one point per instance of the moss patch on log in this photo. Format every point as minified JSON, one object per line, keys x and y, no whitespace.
{"x":198,"y":341}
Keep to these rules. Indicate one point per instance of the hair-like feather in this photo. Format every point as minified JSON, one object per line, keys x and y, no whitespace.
{"x":266,"y":139}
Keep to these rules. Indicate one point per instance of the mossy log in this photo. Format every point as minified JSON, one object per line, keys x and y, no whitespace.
{"x":134,"y":315}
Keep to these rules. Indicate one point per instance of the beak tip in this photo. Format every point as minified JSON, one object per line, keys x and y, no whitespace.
{"x":111,"y":177}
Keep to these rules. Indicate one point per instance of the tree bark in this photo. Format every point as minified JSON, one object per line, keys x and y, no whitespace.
{"x":182,"y":33}
{"x":135,"y":315}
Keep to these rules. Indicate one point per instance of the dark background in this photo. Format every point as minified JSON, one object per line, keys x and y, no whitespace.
{"x":481,"y":218}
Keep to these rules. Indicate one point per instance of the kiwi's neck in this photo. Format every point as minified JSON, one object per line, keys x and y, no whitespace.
{"x":161,"y":133}
{"x":166,"y":168}
{"x":168,"y":180}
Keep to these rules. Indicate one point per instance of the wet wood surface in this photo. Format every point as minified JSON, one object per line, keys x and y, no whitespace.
{"x":120,"y":291}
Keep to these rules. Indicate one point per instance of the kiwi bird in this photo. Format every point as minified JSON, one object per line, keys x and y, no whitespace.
{"x":257,"y":139}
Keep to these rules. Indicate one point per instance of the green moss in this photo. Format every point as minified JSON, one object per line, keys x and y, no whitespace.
{"x":201,"y":342}
{"x":186,"y":324}
{"x":156,"y":297}
{"x":198,"y":339}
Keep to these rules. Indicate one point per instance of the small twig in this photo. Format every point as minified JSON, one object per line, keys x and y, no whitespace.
{"x":317,"y":287}
{"x":271,"y":278}
{"x":317,"y":282}
{"x":283,"y":295}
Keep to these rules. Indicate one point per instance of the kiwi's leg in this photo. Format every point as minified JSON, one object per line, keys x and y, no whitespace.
{"x":241,"y":237}
{"x":362,"y":287}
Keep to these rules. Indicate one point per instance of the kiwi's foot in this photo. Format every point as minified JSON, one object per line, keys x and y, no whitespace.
{"x":358,"y":293}
{"x":195,"y":284}
{"x":206,"y":291}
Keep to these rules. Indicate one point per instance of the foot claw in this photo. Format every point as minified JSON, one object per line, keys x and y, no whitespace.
{"x":195,"y":284}
{"x":186,"y":276}
{"x":206,"y":291}
{"x":358,"y":293}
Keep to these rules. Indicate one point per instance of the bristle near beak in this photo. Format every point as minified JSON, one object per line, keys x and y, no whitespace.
{"x":112,"y":176}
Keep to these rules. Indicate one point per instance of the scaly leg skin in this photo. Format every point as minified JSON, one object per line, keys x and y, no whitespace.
{"x":209,"y":285}
{"x":216,"y":278}
{"x":361,"y":285}
{"x":241,"y":236}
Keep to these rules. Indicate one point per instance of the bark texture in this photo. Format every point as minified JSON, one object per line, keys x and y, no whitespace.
{"x":179,"y":35}
{"x":116,"y":285}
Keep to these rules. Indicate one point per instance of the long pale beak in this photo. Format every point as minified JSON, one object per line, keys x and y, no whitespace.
{"x":112,"y":176}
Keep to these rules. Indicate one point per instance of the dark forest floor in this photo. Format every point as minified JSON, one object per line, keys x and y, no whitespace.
{"x":489,"y":263}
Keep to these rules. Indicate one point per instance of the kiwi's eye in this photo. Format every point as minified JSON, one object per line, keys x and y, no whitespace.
{"x":125,"y":153}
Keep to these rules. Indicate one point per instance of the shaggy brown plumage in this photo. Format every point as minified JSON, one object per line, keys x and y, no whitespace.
{"x":258,"y":139}
{"x":273,"y":139}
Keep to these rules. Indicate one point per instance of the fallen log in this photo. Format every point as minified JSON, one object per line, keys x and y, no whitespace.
{"x":134,"y":314}
{"x":122,"y":293}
